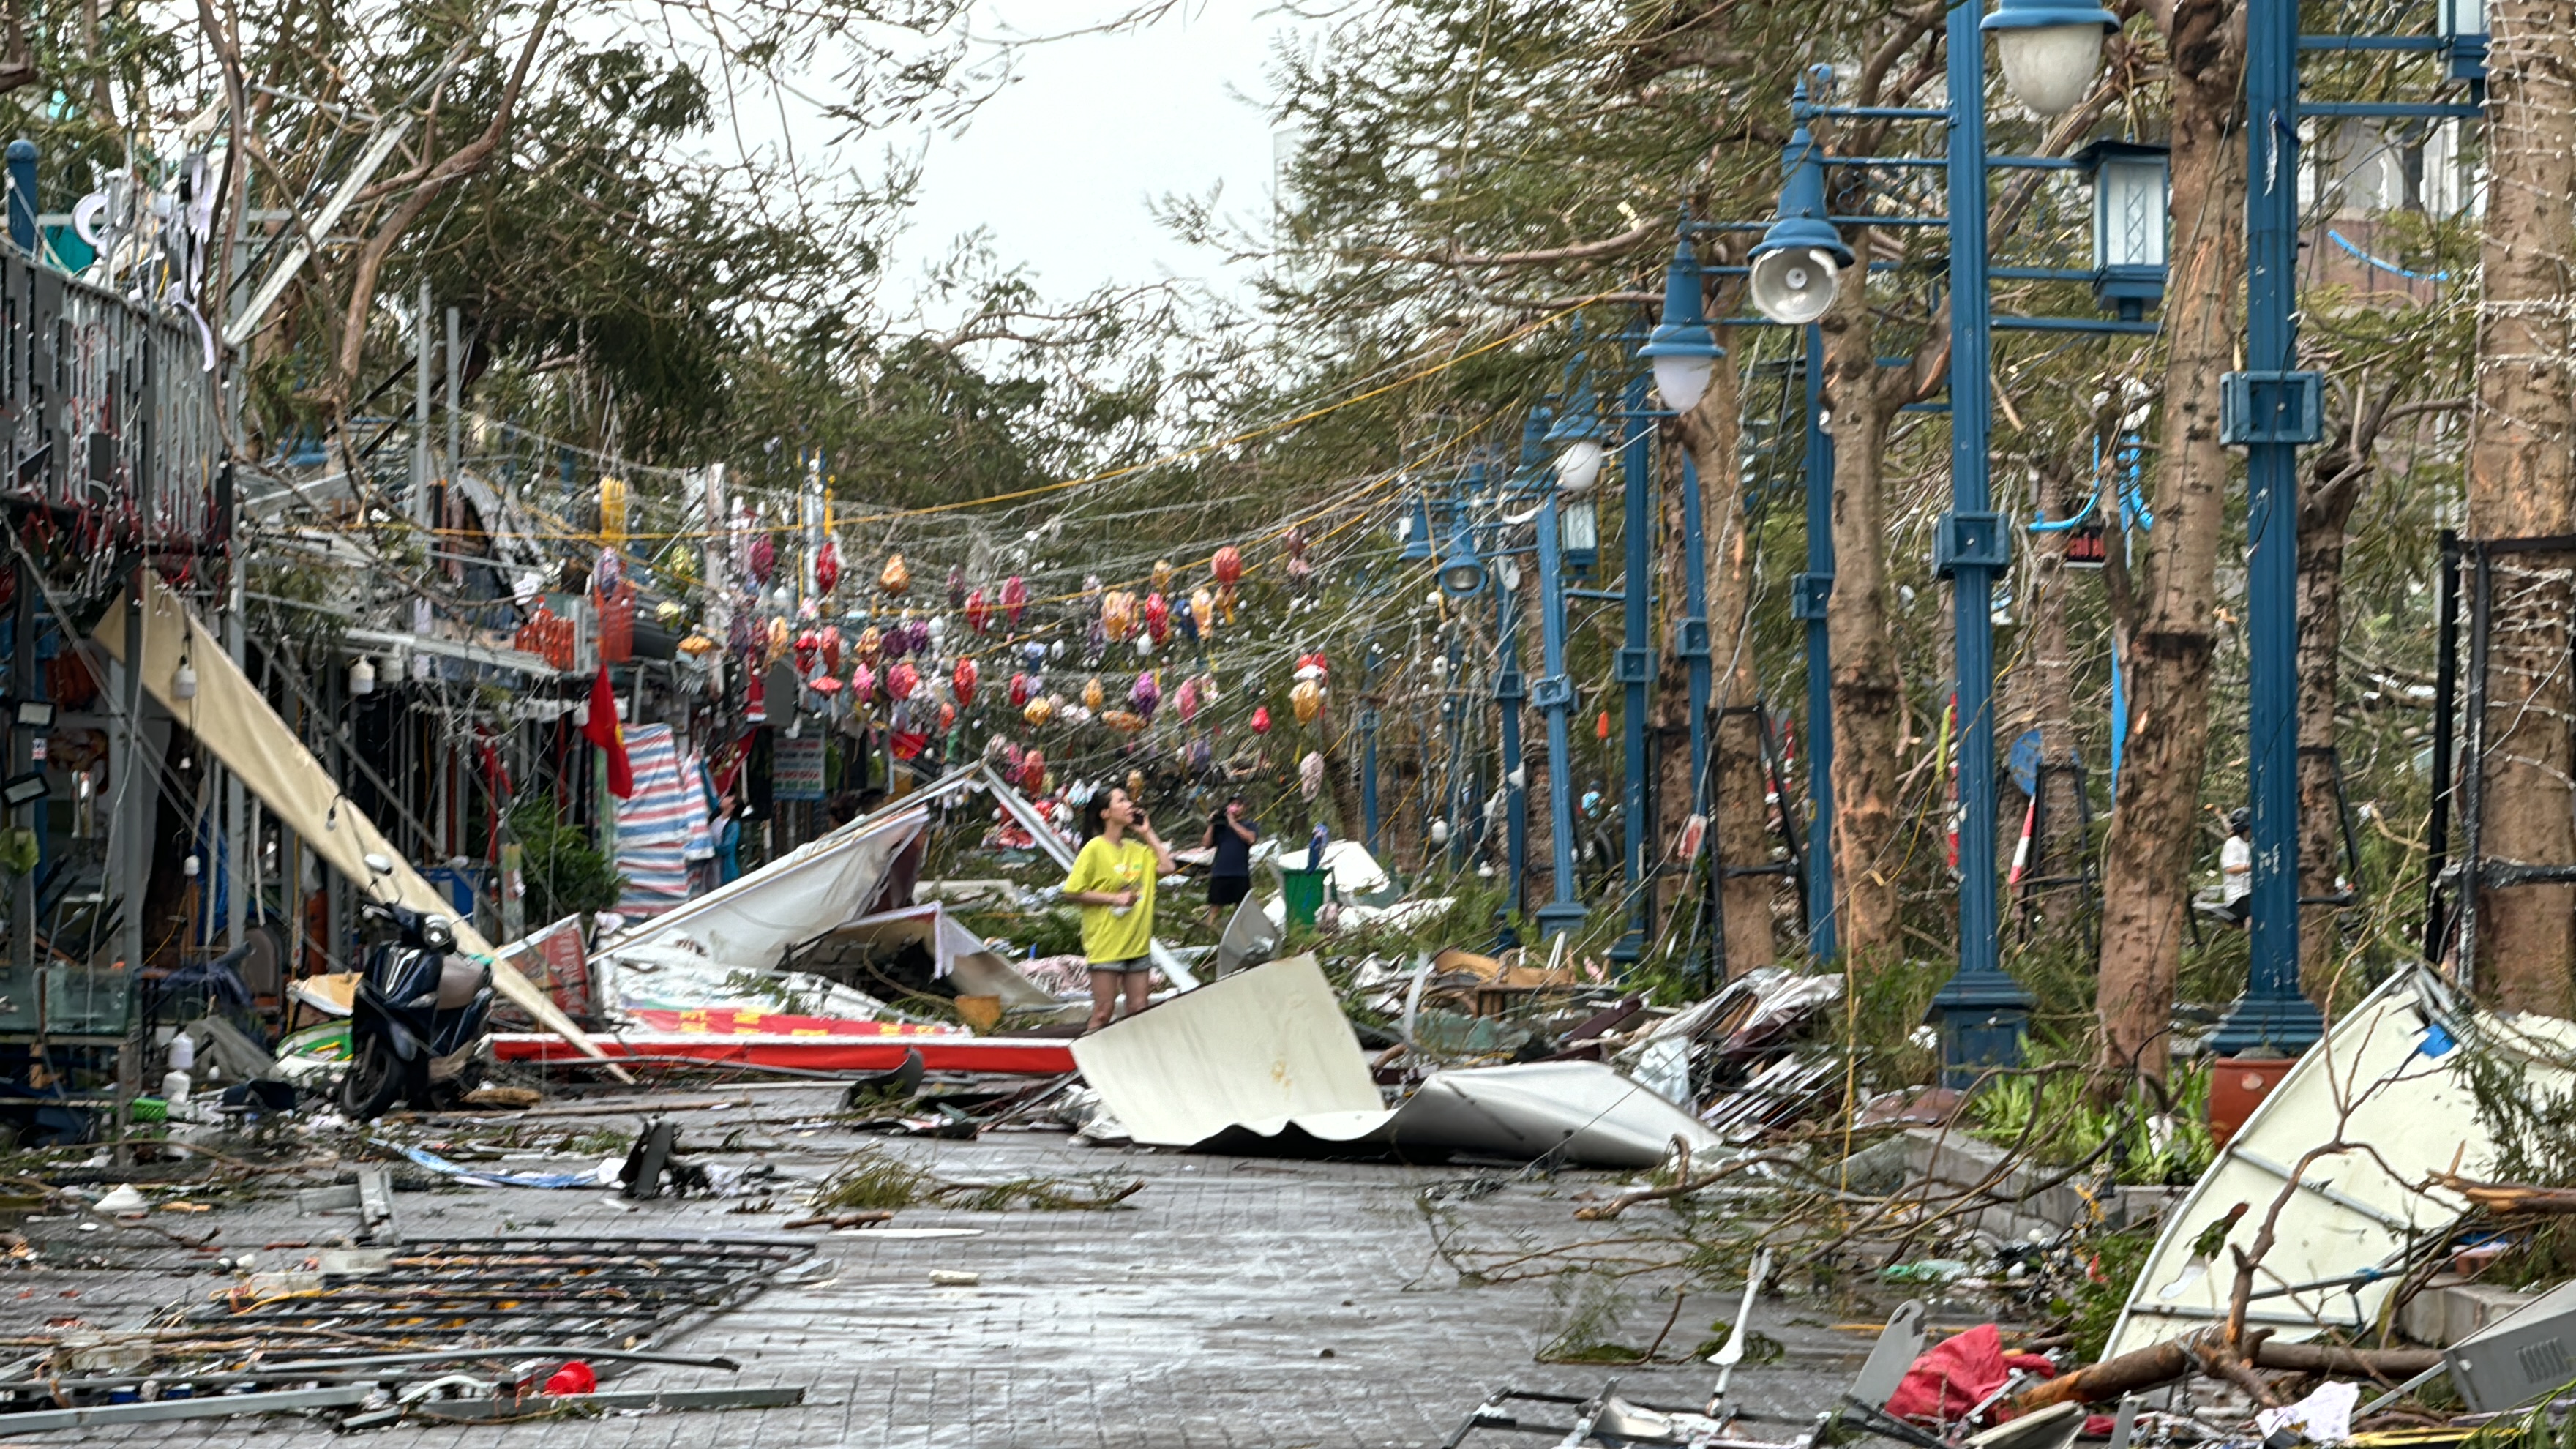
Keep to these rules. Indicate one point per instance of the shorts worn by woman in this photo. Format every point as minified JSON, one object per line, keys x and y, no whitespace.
{"x":1121,"y":968}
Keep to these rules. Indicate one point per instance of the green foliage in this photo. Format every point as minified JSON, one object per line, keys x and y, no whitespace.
{"x":564,"y":872}
{"x":2052,"y":1116}
{"x":2094,"y":1307}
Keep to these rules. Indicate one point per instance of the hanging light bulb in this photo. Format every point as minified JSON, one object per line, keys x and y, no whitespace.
{"x":183,"y":685}
{"x":362,"y":676}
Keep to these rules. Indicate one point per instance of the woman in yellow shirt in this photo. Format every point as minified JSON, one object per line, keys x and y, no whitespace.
{"x":1113,"y":881}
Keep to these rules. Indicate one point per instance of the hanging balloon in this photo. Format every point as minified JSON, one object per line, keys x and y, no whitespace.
{"x":1601,"y":726}
{"x":1310,"y":775}
{"x":1158,"y":617}
{"x":956,"y":587}
{"x":1039,"y":710}
{"x":1034,"y":654}
{"x":827,"y":567}
{"x":1021,"y":689}
{"x":1000,"y":751}
{"x":1199,"y":757}
{"x":902,"y":680}
{"x":894,"y":578}
{"x":947,"y":716}
{"x":863,"y":683}
{"x":606,"y":573}
{"x":1162,"y":576}
{"x":1312,"y":666}
{"x":780,"y":640}
{"x":1092,"y":694}
{"x":1091,"y":593}
{"x":696,"y":646}
{"x":1299,"y":571}
{"x":871,"y":643}
{"x":962,"y":679}
{"x":826,"y":685}
{"x":898,"y":640}
{"x":831,"y":640}
{"x":979,"y":613}
{"x":1144,"y":645}
{"x":1145,"y":694}
{"x":807,"y":646}
{"x":1118,"y":614}
{"x":742,"y":636}
{"x":1033,"y":771}
{"x":763,"y":559}
{"x":1261,"y":719}
{"x":1228,"y":565}
{"x":1225,"y":603}
{"x":1187,"y":700}
{"x":1125,"y":721}
{"x":1015,"y":598}
{"x":1203,"y":611}
{"x":1306,"y":697}
{"x":1095,"y":642}
{"x":1135,"y":784}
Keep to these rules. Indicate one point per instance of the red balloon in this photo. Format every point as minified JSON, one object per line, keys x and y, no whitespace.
{"x":1261,"y":720}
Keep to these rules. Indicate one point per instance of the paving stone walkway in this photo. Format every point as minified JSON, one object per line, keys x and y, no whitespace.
{"x":1232,"y":1301}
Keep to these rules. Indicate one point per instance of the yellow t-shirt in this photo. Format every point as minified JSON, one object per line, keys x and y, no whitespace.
{"x":1109,"y":934}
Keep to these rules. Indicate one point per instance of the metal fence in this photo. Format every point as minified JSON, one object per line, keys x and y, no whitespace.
{"x":114,"y":430}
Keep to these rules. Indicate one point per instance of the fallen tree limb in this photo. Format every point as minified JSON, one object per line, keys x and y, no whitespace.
{"x":2503,"y":1198}
{"x":2164,"y":1362}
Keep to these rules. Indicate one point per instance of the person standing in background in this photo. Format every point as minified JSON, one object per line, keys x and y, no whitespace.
{"x":1230,"y":833}
{"x":1113,"y":881}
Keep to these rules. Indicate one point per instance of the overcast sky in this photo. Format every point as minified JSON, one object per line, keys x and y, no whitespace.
{"x":1062,"y":165}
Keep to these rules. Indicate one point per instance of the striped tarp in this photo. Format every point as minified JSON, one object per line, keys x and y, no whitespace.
{"x":654,"y":824}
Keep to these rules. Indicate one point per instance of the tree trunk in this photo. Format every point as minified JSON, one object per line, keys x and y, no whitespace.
{"x":1669,"y":731}
{"x":1868,"y":693}
{"x":2147,"y":858}
{"x":2040,"y":695}
{"x":2520,"y":485}
{"x":1740,"y":825}
{"x":2332,"y":489}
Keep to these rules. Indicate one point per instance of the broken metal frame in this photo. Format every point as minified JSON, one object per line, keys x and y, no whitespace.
{"x":2459,"y":783}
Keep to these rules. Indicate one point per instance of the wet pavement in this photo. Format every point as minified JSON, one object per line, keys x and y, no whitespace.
{"x":1232,"y":1301}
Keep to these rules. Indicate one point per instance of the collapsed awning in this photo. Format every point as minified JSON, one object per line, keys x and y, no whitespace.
{"x":1264,"y":1060}
{"x":231,"y":719}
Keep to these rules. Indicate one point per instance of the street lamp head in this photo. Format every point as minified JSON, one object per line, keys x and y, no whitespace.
{"x":1576,"y":436}
{"x":1462,"y":574}
{"x":1681,"y":350}
{"x":1795,"y":265}
{"x":2051,"y":50}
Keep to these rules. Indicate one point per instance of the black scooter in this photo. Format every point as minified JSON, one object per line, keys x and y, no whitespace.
{"x":416,"y":1022}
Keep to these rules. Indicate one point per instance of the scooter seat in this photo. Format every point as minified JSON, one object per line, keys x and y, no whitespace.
{"x":458,"y":981}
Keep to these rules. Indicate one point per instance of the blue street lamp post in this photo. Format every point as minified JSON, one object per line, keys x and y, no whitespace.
{"x":1981,"y":1012}
{"x":2273,"y":408}
{"x":1511,"y":691}
{"x":1810,"y":593}
{"x":2050,"y":51}
{"x":1577,"y":465}
{"x":1636,"y":658}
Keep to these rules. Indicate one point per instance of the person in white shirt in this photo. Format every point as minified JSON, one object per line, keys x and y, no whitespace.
{"x":2236,"y":867}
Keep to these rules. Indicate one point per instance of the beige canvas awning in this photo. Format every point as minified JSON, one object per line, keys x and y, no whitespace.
{"x":235,"y":724}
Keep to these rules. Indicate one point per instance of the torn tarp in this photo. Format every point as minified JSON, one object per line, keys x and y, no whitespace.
{"x":234,"y":722}
{"x":1264,"y":1060}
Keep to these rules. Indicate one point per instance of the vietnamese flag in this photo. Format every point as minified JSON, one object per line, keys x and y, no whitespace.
{"x":601,"y":730}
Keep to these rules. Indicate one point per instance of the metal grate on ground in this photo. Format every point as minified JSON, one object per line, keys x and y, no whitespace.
{"x":541,"y":1293}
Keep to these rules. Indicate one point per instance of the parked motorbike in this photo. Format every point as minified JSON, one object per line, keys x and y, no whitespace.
{"x":416,"y":1024}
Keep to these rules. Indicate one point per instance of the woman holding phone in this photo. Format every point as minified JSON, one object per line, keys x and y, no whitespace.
{"x":1113,"y":881}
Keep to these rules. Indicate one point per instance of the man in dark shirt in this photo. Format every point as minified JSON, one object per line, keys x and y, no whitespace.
{"x":1230,"y":834}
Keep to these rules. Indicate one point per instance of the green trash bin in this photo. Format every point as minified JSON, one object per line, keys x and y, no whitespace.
{"x":1304,"y":892}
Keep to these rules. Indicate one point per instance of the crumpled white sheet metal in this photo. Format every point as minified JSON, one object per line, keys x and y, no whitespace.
{"x":2386,"y":1078}
{"x":1264,"y":1061}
